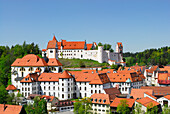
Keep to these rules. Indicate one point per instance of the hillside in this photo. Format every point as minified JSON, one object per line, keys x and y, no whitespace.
{"x":74,"y":63}
{"x":160,"y":56}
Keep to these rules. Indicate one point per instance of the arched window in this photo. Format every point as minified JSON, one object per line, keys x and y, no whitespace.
{"x":22,"y":69}
{"x":39,"y":69}
{"x":30,"y":69}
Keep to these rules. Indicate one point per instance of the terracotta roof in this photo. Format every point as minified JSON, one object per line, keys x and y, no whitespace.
{"x":43,"y":49}
{"x":29,"y":60}
{"x":123,"y":76}
{"x":53,"y":76}
{"x":100,"y":79}
{"x":158,"y":91}
{"x":116,"y":102}
{"x":153,"y":68}
{"x":30,"y":78}
{"x":11,"y":87}
{"x":147,"y":101}
{"x":139,"y":93}
{"x":166,"y":68}
{"x":54,"y":62}
{"x":89,"y":46}
{"x":52,"y":44}
{"x":112,"y":92}
{"x":47,"y":97}
{"x":119,"y":43}
{"x":10,"y":109}
{"x":167,"y":96}
{"x":100,"y":98}
{"x":151,"y":95}
{"x":163,"y":76}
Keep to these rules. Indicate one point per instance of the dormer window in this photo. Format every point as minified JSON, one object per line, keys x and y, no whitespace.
{"x":100,"y":100}
{"x":95,"y":100}
{"x":104,"y":100}
{"x":92,"y":99}
{"x":51,"y":51}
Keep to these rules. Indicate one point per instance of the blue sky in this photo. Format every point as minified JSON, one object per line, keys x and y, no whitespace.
{"x":139,"y":24}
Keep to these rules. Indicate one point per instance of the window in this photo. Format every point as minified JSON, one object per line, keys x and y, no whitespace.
{"x":25,"y":89}
{"x":44,"y":93}
{"x":85,"y":88}
{"x":62,"y":84}
{"x":28,"y":89}
{"x":85,"y":95}
{"x":99,"y":91}
{"x":68,"y":95}
{"x":68,"y":89}
{"x":54,"y":88}
{"x":91,"y":91}
{"x":62,"y":95}
{"x":49,"y":87}
{"x":62,"y":89}
{"x":30,"y":69}
{"x":51,"y":51}
{"x":80,"y":88}
{"x":95,"y":91}
{"x":22,"y":89}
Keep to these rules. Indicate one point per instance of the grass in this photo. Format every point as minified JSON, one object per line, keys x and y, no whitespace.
{"x":75,"y":63}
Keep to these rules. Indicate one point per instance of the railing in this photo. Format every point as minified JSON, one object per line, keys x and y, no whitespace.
{"x":164,"y":81}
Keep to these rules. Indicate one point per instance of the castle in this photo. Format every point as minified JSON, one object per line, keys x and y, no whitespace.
{"x":82,"y":50}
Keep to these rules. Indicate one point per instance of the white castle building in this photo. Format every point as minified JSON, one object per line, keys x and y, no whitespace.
{"x":82,"y":50}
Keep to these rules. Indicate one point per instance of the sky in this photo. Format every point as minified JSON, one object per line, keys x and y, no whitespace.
{"x":138,"y":24}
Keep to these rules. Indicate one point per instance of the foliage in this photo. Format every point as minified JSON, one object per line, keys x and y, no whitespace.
{"x":123,"y":107}
{"x":151,"y":109}
{"x":81,"y":64}
{"x":138,"y":109}
{"x":160,"y":56}
{"x":39,"y":107}
{"x":72,"y":63}
{"x":3,"y":94}
{"x":9,"y":55}
{"x":105,"y":47}
{"x":166,"y":110}
{"x":82,"y":106}
{"x":10,"y":97}
{"x":19,"y":94}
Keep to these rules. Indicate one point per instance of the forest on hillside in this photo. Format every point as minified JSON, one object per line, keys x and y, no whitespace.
{"x":160,"y":56}
{"x":8,"y":56}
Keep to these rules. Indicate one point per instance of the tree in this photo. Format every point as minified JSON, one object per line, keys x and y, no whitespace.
{"x":113,"y":66}
{"x":81,"y":64}
{"x":166,"y":110}
{"x":82,"y":106}
{"x":138,"y":109}
{"x":123,"y":107}
{"x":100,"y":44}
{"x":151,"y":109}
{"x":10,"y":98}
{"x":3,"y":94}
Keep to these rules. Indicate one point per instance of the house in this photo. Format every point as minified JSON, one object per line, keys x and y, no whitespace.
{"x":64,"y":105}
{"x":163,"y":78}
{"x":165,"y":100}
{"x":158,"y":91}
{"x":151,"y":75}
{"x":12,"y":89}
{"x":30,"y":98}
{"x":147,"y":102}
{"x":117,"y":101}
{"x":82,"y":50}
{"x":139,"y":93}
{"x":100,"y":103}
{"x":51,"y":100}
{"x":11,"y":109}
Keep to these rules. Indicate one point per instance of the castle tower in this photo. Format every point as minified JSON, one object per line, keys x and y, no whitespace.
{"x":100,"y":54}
{"x":119,"y":47}
{"x":52,"y":49}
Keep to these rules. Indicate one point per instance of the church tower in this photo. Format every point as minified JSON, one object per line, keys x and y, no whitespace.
{"x":119,"y":47}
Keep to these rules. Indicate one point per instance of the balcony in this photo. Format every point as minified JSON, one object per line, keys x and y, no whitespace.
{"x":164,"y":81}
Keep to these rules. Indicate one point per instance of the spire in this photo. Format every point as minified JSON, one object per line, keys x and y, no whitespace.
{"x":54,"y":38}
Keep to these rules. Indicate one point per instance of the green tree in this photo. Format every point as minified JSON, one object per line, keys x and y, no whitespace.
{"x":166,"y":110}
{"x":82,"y":106}
{"x":81,"y":64}
{"x":3,"y":94}
{"x":123,"y":107}
{"x":10,"y":98}
{"x":151,"y":109}
{"x":138,"y":109}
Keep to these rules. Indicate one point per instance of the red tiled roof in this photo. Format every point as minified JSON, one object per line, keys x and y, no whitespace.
{"x":53,"y":76}
{"x":116,"y":102}
{"x":166,"y":68}
{"x":100,"y":79}
{"x":11,"y":87}
{"x":43,"y":49}
{"x":119,"y":43}
{"x":150,"y":95}
{"x":153,"y":68}
{"x":47,"y":97}
{"x":163,"y":76}
{"x":139,"y":93}
{"x":52,"y":44}
{"x":147,"y":102}
{"x":29,"y":60}
{"x":10,"y":109}
{"x":30,"y":78}
{"x":167,"y":97}
{"x":112,"y":92}
{"x":89,"y":46}
{"x":158,"y":91}
{"x":54,"y":62}
{"x":123,"y":76}
{"x":100,"y":98}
